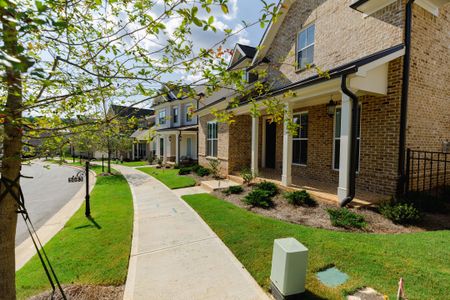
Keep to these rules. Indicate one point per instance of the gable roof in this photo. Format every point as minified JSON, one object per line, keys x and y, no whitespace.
{"x":271,"y":31}
{"x":128,"y":112}
{"x":241,"y":53}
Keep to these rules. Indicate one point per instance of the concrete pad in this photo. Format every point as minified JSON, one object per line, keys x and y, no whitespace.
{"x":366,"y":293}
{"x":213,"y":185}
{"x":175,"y":255}
{"x":190,"y":191}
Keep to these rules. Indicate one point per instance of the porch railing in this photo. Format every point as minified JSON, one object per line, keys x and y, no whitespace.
{"x":428,"y":172}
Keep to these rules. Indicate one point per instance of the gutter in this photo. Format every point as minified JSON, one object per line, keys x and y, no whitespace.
{"x":404,"y":100}
{"x":353,"y":143}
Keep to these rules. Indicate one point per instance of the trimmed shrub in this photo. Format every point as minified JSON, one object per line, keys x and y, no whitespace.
{"x":195,"y":168}
{"x":267,"y":186}
{"x":342,"y":217}
{"x":184,"y":171}
{"x":259,"y":198}
{"x":202,"y":172}
{"x":235,"y":189}
{"x":400,"y":213}
{"x":300,"y":198}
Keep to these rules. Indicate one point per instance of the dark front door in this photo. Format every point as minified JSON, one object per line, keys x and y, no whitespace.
{"x":271,"y":142}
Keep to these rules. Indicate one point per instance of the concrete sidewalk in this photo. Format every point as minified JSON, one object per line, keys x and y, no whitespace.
{"x":175,"y":255}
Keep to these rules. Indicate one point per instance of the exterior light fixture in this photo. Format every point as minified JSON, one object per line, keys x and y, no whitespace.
{"x":331,"y":108}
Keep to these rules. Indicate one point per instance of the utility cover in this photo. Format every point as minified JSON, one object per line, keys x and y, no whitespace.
{"x":332,"y":277}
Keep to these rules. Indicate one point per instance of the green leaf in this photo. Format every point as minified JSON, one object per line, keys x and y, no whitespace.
{"x":197,"y":22}
{"x":224,"y":8}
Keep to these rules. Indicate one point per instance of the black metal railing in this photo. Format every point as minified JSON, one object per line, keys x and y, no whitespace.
{"x":428,"y":172}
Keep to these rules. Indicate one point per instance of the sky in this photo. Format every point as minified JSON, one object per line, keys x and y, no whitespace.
{"x":239,"y":10}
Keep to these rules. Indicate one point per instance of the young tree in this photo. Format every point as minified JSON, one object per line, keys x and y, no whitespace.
{"x":61,"y":59}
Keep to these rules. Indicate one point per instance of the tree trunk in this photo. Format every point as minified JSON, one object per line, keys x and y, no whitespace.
{"x":11,"y":164}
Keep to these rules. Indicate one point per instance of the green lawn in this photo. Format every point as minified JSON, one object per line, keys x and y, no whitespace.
{"x":84,"y":251}
{"x":134,"y":163}
{"x":170,"y":177}
{"x":374,"y":260}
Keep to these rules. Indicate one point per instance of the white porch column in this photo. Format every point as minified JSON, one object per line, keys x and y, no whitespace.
{"x":177,"y":148}
{"x":255,"y":131}
{"x":286,"y":177}
{"x":167,"y":148}
{"x":344,"y":159}
{"x":132,"y":150}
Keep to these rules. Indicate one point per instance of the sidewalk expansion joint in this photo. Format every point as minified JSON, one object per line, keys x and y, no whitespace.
{"x":172,"y":247}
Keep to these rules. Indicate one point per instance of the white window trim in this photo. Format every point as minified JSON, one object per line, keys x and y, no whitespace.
{"x":298,"y":67}
{"x":299,"y":138}
{"x":208,"y":140}
{"x":186,"y":107}
{"x":178,"y":114}
{"x":159,"y":117}
{"x":339,"y":138}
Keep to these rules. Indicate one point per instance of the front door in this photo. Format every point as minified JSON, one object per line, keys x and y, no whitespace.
{"x":271,"y":142}
{"x":189,"y":147}
{"x":161,"y":147}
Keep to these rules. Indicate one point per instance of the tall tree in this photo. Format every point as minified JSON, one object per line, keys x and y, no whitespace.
{"x":60,"y":58}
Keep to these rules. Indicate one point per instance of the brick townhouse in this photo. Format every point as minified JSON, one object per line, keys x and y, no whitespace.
{"x":389,"y":90}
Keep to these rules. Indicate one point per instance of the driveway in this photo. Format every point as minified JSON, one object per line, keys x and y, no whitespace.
{"x":45,"y":194}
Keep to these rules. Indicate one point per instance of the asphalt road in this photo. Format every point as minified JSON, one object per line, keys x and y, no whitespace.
{"x":45,"y":194}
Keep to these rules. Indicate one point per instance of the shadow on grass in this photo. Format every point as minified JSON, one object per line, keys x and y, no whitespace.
{"x":94,"y":224}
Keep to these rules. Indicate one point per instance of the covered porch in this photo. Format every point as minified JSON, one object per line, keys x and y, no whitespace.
{"x":318,"y":158}
{"x":177,"y":145}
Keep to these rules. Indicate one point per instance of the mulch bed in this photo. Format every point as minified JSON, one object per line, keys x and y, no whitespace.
{"x":85,"y":292}
{"x":319,"y":218}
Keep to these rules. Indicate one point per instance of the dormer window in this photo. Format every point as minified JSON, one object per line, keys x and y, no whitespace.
{"x":251,"y":76}
{"x":305,"y":47}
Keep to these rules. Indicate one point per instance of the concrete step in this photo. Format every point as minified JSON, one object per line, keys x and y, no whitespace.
{"x":214,"y":185}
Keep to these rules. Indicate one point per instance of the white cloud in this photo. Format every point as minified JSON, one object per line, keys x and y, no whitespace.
{"x":233,"y":10}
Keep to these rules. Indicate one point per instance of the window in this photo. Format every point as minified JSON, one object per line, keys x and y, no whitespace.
{"x":175,"y":114}
{"x":305,"y":47}
{"x":189,"y":113}
{"x":300,"y":140}
{"x":251,"y":76}
{"x":211,"y":139}
{"x":162,"y":117}
{"x":337,"y":138}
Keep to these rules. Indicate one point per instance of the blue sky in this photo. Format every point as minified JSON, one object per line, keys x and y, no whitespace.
{"x":239,"y":10}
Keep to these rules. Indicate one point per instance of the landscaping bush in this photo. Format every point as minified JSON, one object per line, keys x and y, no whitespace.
{"x":195,"y":168}
{"x":400,"y":213}
{"x":236,"y":189}
{"x":247,"y":176}
{"x":267,"y":186}
{"x":300,"y":198}
{"x":202,"y":172}
{"x":184,"y":171}
{"x":342,"y":217}
{"x":259,"y":198}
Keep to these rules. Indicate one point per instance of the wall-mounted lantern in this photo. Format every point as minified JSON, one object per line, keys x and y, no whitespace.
{"x":331,"y":108}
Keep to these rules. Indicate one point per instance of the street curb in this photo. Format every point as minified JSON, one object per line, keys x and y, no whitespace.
{"x":25,"y":251}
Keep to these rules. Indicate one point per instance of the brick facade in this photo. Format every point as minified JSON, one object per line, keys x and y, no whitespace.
{"x":429,"y":92}
{"x":234,"y":144}
{"x":343,"y":35}
{"x":336,"y":25}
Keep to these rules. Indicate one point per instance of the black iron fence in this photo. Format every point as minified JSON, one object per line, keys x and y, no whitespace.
{"x":428,"y":172}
